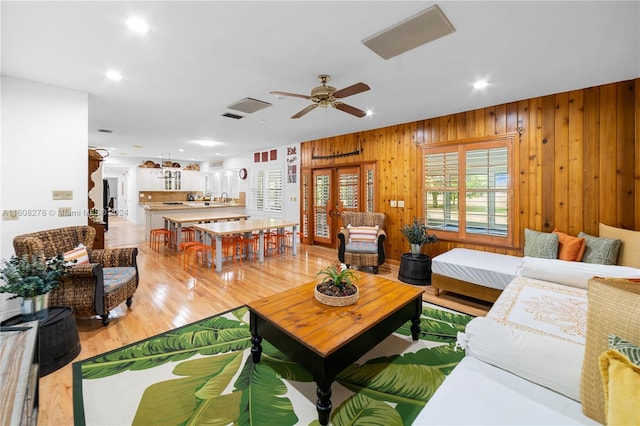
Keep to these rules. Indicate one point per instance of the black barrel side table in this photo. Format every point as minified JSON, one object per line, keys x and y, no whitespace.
{"x":415,"y":269}
{"x":59,"y":342}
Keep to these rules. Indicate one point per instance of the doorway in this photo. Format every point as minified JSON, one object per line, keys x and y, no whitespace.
{"x":327,"y":193}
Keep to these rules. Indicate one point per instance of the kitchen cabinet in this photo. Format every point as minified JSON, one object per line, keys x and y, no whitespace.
{"x":148,"y":180}
{"x":176,"y":180}
{"x":192,"y":180}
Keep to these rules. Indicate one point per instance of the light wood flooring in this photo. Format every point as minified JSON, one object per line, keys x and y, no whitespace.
{"x":168,"y":297}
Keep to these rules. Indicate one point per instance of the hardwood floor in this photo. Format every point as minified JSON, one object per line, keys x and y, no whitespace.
{"x":168,"y":297}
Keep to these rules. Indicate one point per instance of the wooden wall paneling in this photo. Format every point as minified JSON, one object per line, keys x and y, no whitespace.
{"x":460,"y":126}
{"x":490,"y":120}
{"x":523,"y":175}
{"x":512,"y":117}
{"x":561,"y":163}
{"x":591,"y":154}
{"x":637,"y":156}
{"x":548,"y":163}
{"x":625,"y":151}
{"x":587,"y":170}
{"x":535,"y":164}
{"x":427,"y":129}
{"x":443,"y":128}
{"x":479,"y":123}
{"x":575,"y":162}
{"x":501,"y":119}
{"x":608,"y":155}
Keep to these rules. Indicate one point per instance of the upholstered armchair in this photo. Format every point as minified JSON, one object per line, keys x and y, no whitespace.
{"x":95,"y":288}
{"x":362,"y":239}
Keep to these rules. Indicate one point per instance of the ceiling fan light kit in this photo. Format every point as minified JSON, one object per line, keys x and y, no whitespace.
{"x":325,"y":96}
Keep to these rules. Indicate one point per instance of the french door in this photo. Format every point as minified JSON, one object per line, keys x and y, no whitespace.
{"x":329,"y":192}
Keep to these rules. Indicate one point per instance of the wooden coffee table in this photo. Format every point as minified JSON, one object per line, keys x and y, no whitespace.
{"x":325,"y":339}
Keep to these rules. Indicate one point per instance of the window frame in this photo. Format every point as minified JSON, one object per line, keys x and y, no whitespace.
{"x":261,"y":190}
{"x":508,"y":141}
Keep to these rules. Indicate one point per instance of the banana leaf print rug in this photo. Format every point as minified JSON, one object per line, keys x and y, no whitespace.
{"x":203,"y":373}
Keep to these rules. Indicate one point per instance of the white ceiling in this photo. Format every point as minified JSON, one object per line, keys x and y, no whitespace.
{"x":199,"y":57}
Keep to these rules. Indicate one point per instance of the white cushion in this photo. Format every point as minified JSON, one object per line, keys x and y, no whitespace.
{"x":547,"y":361}
{"x":576,"y":274}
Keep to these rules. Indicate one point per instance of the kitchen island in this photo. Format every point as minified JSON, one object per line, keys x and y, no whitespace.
{"x":155,"y":211}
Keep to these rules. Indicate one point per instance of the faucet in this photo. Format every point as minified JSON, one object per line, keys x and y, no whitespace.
{"x":223,"y":198}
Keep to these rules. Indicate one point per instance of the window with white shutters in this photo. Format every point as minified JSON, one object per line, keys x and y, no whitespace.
{"x":469,"y":190}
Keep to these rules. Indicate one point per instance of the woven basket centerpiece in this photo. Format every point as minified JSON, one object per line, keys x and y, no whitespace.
{"x":337,"y":300}
{"x":337,"y":287}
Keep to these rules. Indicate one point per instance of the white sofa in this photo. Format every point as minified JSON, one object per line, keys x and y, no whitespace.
{"x":523,"y":361}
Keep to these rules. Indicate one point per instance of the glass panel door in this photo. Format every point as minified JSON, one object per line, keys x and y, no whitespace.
{"x":322,"y":229}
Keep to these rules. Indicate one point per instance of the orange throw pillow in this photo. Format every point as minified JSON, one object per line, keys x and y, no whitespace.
{"x":570,"y":247}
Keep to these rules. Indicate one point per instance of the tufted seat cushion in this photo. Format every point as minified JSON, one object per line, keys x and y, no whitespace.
{"x":361,"y":247}
{"x":114,"y":278}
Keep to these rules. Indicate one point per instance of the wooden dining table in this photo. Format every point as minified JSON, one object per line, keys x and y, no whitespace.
{"x":174,"y":223}
{"x":244,"y":226}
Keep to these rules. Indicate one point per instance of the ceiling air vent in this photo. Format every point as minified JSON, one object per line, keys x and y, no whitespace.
{"x":249,"y":105}
{"x":421,"y":28}
{"x":230,"y":115}
{"x":217,"y":164}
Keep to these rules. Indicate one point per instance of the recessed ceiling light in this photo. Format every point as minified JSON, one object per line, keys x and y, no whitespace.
{"x":113,"y":75}
{"x":205,"y":142}
{"x":181,"y":150}
{"x":480,"y":84}
{"x":138,"y":25}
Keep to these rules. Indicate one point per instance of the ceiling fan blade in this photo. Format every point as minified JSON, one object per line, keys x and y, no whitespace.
{"x":351,"y":90}
{"x":351,"y":110}
{"x":295,"y":95}
{"x":304,"y":111}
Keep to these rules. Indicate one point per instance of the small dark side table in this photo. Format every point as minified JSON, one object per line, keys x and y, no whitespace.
{"x":415,"y":269}
{"x":59,"y":342}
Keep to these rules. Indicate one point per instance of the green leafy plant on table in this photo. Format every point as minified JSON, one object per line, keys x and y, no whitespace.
{"x":337,"y":281}
{"x":29,"y":276}
{"x":417,"y":233}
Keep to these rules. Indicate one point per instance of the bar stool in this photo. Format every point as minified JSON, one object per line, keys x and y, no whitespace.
{"x":156,"y":235}
{"x":289,"y":236}
{"x":183,"y":252}
{"x":188,"y":233}
{"x":230,"y":245}
{"x":249,"y":244}
{"x":273,"y":239}
{"x":192,"y":252}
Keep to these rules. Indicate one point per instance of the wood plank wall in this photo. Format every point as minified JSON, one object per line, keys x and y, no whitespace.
{"x":579,"y":160}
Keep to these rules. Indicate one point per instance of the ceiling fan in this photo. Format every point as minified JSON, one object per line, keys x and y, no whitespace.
{"x":326,"y":96}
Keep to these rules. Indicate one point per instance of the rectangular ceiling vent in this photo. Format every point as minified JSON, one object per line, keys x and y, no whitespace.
{"x":217,"y":164}
{"x":234,"y":116}
{"x":419,"y":29}
{"x":249,"y":105}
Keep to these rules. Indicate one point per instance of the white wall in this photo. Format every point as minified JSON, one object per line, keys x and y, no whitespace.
{"x":43,"y":147}
{"x":291,"y":190}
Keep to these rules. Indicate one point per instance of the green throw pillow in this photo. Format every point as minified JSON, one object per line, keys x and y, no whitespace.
{"x":626,"y":348}
{"x":540,"y":244}
{"x":600,"y":250}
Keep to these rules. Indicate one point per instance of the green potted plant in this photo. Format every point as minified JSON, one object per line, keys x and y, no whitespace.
{"x":417,"y":235}
{"x":337,"y":287}
{"x":32,"y":277}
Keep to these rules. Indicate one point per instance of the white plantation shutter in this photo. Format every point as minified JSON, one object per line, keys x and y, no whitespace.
{"x":257,"y":190}
{"x":274,"y":179}
{"x":267,"y":190}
